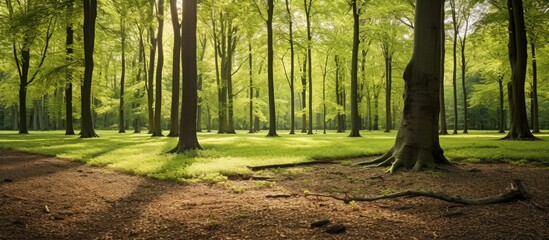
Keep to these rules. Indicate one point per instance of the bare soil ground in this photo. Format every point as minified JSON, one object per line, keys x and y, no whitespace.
{"x":48,"y":198}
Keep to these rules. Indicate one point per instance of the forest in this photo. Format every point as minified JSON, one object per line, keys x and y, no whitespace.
{"x":274,"y":119}
{"x":136,"y":86}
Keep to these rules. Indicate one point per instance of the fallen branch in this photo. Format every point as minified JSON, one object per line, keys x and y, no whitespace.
{"x":517,"y":191}
{"x":263,"y":167}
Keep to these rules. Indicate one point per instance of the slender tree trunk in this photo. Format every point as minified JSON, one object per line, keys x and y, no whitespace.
{"x":157,"y":129}
{"x":187,"y":138}
{"x":535,"y":108}
{"x":90,"y":14}
{"x":519,"y":129}
{"x":304,"y":97}
{"x":376,"y":108}
{"x":501,"y":110}
{"x":308,"y":4}
{"x":338,"y":95}
{"x":417,"y":142}
{"x":388,"y":79}
{"x":251,"y":74}
{"x":443,"y":126}
{"x":221,"y":109}
{"x":121,"y":122}
{"x":270,"y":73}
{"x":203,"y":43}
{"x":231,"y":47}
{"x":463,"y":72}
{"x":292,"y":68}
{"x":355,"y":120}
{"x":256,"y":118}
{"x":69,"y":129}
{"x":454,"y":72}
{"x":176,"y":70}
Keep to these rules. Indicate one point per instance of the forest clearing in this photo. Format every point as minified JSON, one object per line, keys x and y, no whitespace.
{"x":87,"y":202}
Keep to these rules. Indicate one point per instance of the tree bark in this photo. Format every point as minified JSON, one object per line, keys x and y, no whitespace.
{"x":157,"y":129}
{"x":463,"y":72}
{"x":121,"y":122}
{"x":454,"y":72}
{"x":304,"y":96}
{"x":90,"y":14}
{"x":150,"y":77}
{"x":519,"y":129}
{"x":501,"y":112}
{"x":251,"y":74}
{"x":187,"y":138}
{"x":69,"y":129}
{"x":535,"y":105}
{"x":308,"y":4}
{"x":355,"y":119}
{"x":417,"y":142}
{"x":292,"y":68}
{"x":270,"y":73}
{"x":443,"y":126}
{"x":176,"y":70}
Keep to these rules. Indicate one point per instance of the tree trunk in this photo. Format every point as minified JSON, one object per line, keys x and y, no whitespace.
{"x":231,"y":47}
{"x":304,"y":97}
{"x":308,"y":4}
{"x":270,"y":73}
{"x":535,"y":105}
{"x":454,"y":72}
{"x":338,"y":95}
{"x":90,"y":14}
{"x":187,"y":138}
{"x":443,"y":127}
{"x":355,"y":120}
{"x":221,"y":108}
{"x":417,"y":142}
{"x":69,"y":129}
{"x":463,"y":72}
{"x":388,"y":79}
{"x":203,"y":43}
{"x":121,"y":122}
{"x":251,"y":74}
{"x":519,"y":129}
{"x":292,"y":68}
{"x":176,"y":70}
{"x":500,"y":108}
{"x":150,"y":77}
{"x":157,"y":129}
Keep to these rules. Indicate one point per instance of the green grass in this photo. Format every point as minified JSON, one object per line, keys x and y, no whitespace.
{"x":226,"y":155}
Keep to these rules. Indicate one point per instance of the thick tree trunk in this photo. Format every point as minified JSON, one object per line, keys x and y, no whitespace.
{"x":187,"y":138}
{"x":355,"y":120}
{"x":176,"y":70}
{"x":270,"y":73}
{"x":519,"y":129}
{"x":90,"y":14}
{"x":157,"y":129}
{"x":417,"y":142}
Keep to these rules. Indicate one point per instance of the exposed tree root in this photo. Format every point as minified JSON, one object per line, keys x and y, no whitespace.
{"x":517,"y":191}
{"x":263,"y":167}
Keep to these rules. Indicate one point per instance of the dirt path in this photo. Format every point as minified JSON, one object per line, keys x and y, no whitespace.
{"x":96,"y":203}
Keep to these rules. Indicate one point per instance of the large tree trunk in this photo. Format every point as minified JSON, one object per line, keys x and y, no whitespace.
{"x":270,"y":73}
{"x":176,"y":70}
{"x":355,"y":120}
{"x":90,"y":14}
{"x":187,"y":137}
{"x":157,"y":129}
{"x":518,"y":59}
{"x":417,"y":142}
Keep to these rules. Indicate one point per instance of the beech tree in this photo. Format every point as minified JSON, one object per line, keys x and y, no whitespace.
{"x":417,"y":141}
{"x":176,"y":70}
{"x":187,"y":137}
{"x":518,"y":57}
{"x":90,"y":15}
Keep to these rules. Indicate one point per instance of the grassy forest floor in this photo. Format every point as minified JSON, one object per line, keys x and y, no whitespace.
{"x":45,"y":197}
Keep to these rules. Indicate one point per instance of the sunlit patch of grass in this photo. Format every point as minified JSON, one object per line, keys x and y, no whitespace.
{"x":226,"y":155}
